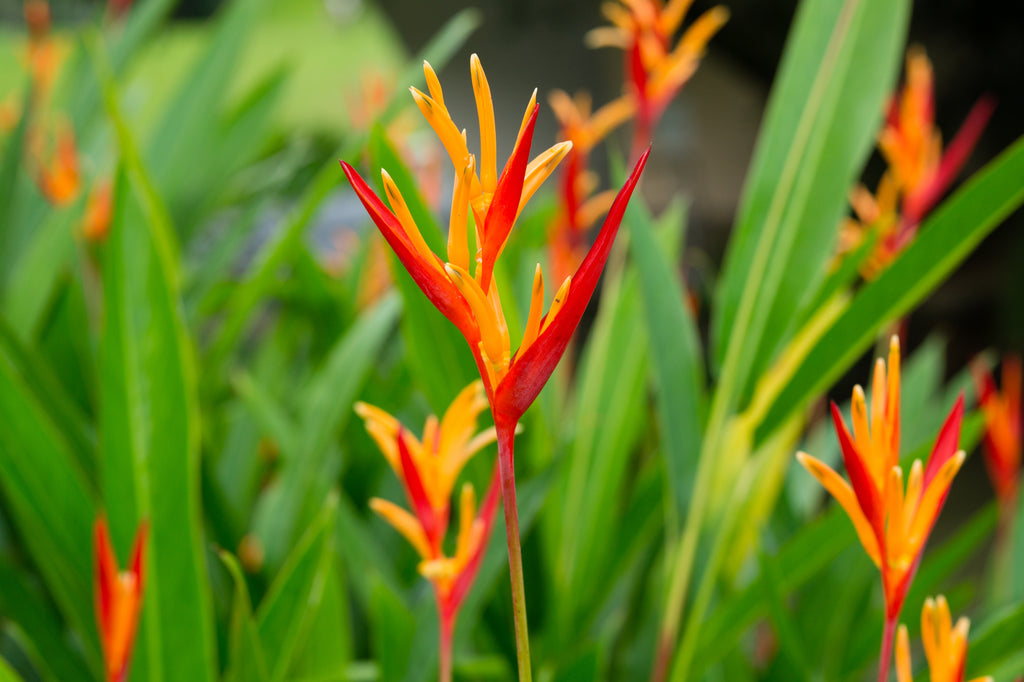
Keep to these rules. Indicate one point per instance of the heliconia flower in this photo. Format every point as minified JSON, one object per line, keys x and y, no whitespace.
{"x":892,"y":517}
{"x":945,"y":645}
{"x":654,"y":69}
{"x":428,"y":470}
{"x":59,"y":179}
{"x":578,"y":207}
{"x":118,"y":598}
{"x":919,"y":171}
{"x":470,"y":300}
{"x":1002,"y":426}
{"x":98,"y":212}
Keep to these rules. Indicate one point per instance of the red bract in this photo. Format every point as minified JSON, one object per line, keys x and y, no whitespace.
{"x":118,"y":598}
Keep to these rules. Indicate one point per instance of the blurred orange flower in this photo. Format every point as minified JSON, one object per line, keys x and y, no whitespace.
{"x":1002,"y":426}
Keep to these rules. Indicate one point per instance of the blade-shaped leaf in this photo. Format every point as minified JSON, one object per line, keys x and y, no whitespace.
{"x":944,"y":241}
{"x":150,"y":444}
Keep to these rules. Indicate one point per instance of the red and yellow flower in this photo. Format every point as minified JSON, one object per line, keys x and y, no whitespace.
{"x":578,"y":207}
{"x":654,"y":69}
{"x":98,"y":212}
{"x":1002,"y":442}
{"x":463,"y":289}
{"x":945,"y":645}
{"x":428,"y":470}
{"x":919,"y":171}
{"x":118,"y":598}
{"x":892,"y":516}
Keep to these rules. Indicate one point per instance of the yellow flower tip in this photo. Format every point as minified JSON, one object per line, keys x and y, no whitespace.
{"x":361,"y":409}
{"x":556,"y":303}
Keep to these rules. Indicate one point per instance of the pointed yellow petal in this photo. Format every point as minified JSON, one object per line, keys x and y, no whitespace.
{"x":446,"y":130}
{"x":405,"y":523}
{"x":536,"y":310}
{"x":482,"y":311}
{"x":538,"y":170}
{"x":878,"y":412}
{"x":609,"y":117}
{"x":412,"y":231}
{"x":485,"y":112}
{"x":896,"y":526}
{"x":556,"y":303}
{"x":844,"y":495}
{"x":458,"y":225}
{"x":606,"y":36}
{"x":433,"y":84}
{"x":903,"y":671}
{"x":672,"y":16}
{"x":526,"y":115}
{"x":467,"y":514}
{"x":892,"y":404}
{"x":595,"y":207}
{"x":928,"y":509}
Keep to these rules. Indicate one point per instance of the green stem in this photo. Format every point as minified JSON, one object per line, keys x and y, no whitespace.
{"x":506,"y":468}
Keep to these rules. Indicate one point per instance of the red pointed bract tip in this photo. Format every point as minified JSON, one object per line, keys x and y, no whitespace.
{"x":531,"y":371}
{"x":118,"y":598}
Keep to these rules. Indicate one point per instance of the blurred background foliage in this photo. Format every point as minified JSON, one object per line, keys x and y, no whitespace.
{"x":196,"y":365}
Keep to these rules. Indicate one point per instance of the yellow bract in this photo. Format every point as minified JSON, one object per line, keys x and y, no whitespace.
{"x":945,"y":645}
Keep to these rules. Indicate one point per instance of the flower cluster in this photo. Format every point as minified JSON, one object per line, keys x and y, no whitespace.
{"x":919,"y":171}
{"x":655,"y":69}
{"x":892,"y":517}
{"x":428,"y":470}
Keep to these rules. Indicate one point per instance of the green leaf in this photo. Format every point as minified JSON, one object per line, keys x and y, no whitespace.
{"x":46,"y":493}
{"x":944,"y":240}
{"x":676,"y":359}
{"x":187,"y":128}
{"x":247,"y":662}
{"x":7,"y":674}
{"x":608,"y":423}
{"x":289,"y":609}
{"x":826,"y":106}
{"x":392,"y":632}
{"x":44,"y":637}
{"x":150,"y":443}
{"x":10,"y":169}
{"x":325,"y":406}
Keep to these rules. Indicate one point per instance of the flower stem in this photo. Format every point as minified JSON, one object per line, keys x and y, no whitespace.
{"x":447,"y":624}
{"x":887,"y":639}
{"x":506,"y":468}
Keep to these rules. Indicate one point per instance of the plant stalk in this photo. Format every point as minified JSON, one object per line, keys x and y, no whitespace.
{"x":506,"y":468}
{"x":447,"y":623}
{"x":887,"y":639}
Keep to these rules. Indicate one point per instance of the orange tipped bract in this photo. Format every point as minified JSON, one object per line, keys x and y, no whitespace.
{"x":1002,"y":442}
{"x":118,"y":598}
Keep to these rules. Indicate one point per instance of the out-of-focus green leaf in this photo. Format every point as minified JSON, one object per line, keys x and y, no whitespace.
{"x":944,"y":240}
{"x":186,"y":131}
{"x":23,"y":606}
{"x":46,"y":493}
{"x":34,"y":279}
{"x":7,"y":674}
{"x":438,"y":355}
{"x":290,"y":607}
{"x":608,"y":422}
{"x":282,"y":247}
{"x":366,"y":562}
{"x":150,"y":444}
{"x":676,"y":358}
{"x":247,"y":662}
{"x":392,"y":623}
{"x":997,"y":643}
{"x":840,"y":62}
{"x":327,"y":645}
{"x":10,"y":169}
{"x":324,"y":408}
